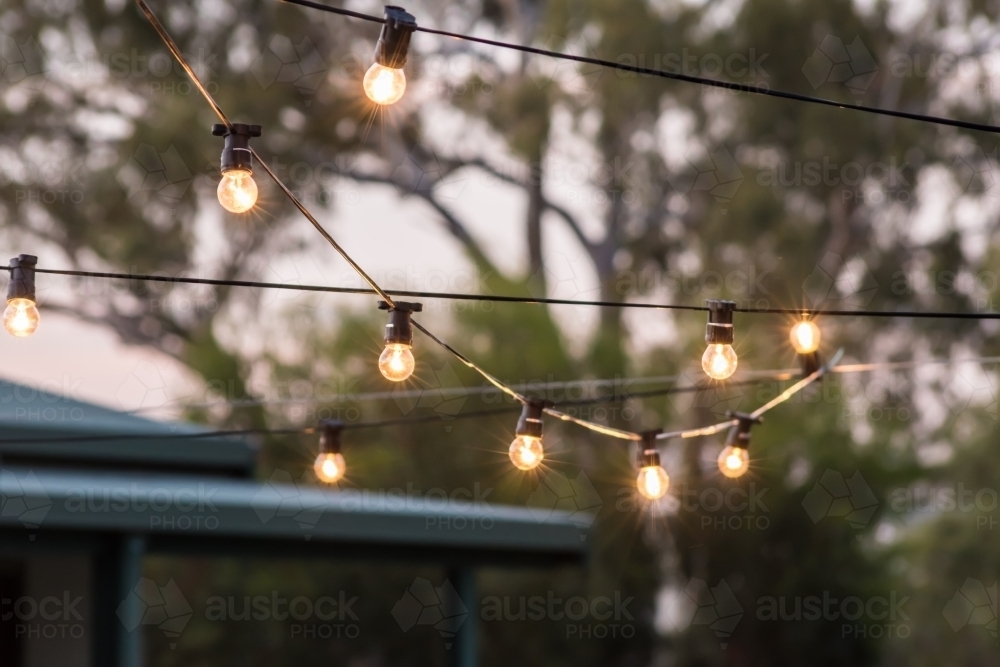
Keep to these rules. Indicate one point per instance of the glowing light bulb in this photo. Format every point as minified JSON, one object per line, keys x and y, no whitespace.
{"x":21,"y":317}
{"x":396,"y":362}
{"x":734,"y":461}
{"x":330,"y":468}
{"x":805,"y":337}
{"x":384,"y":85}
{"x":526,"y":453}
{"x":719,"y":361}
{"x":653,"y":482}
{"x":237,"y":191}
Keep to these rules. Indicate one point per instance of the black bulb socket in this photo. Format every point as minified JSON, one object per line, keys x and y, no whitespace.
{"x":810,"y":362}
{"x":399,"y":330}
{"x":529,"y":424}
{"x":649,"y":455}
{"x":22,"y":278}
{"x":739,"y":434}
{"x":394,"y":40}
{"x":720,"y":322}
{"x":236,"y":154}
{"x":329,"y":436}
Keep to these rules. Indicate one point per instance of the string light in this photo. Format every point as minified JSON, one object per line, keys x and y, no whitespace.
{"x":329,"y":465}
{"x":237,"y":190}
{"x":652,"y":481}
{"x":719,"y":361}
{"x":805,"y":336}
{"x":526,"y":452}
{"x":385,"y":81}
{"x":396,"y":361}
{"x":677,"y":76}
{"x":734,"y":459}
{"x":21,"y":316}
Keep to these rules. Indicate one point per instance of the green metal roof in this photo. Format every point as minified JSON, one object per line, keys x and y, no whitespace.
{"x":281,"y":518}
{"x":27,"y":413}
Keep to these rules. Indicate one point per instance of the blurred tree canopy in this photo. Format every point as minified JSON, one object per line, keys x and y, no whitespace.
{"x":671,"y":193}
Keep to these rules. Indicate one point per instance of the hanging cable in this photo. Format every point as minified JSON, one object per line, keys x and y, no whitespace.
{"x":497,"y":298}
{"x":161,"y":31}
{"x":687,"y":78}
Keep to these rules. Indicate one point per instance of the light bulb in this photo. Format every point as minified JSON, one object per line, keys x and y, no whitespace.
{"x":526,"y":453}
{"x":805,"y":337}
{"x":734,"y":461}
{"x":719,"y":361}
{"x":21,"y":317}
{"x":237,"y":191}
{"x":384,"y":85}
{"x":653,"y":482}
{"x":396,"y":362}
{"x":330,"y":468}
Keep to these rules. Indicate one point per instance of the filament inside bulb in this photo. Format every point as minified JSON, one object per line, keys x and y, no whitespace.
{"x":330,"y":468}
{"x":652,"y":482}
{"x":237,"y":191}
{"x":805,"y":337}
{"x":526,"y":452}
{"x":734,"y":461}
{"x":719,"y":361}
{"x":396,"y":362}
{"x":384,"y":85}
{"x":21,"y":317}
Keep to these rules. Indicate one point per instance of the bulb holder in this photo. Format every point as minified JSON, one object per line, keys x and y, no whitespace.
{"x":811,"y":363}
{"x":329,"y":436}
{"x":720,"y":322}
{"x":529,"y":424}
{"x":399,"y":330}
{"x":22,"y":278}
{"x":394,"y":40}
{"x":739,"y":435}
{"x":649,"y":455}
{"x":236,"y":155}
{"x":649,"y":458}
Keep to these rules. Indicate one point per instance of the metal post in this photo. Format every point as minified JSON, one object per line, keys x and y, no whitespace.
{"x":465,"y":652}
{"x":117,"y":632}
{"x":130,"y":639}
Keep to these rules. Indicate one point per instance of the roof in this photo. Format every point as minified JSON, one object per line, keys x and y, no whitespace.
{"x":50,"y":420}
{"x":179,"y":514}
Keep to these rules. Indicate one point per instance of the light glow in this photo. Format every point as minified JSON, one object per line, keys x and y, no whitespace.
{"x":384,"y":85}
{"x":21,"y":317}
{"x":237,"y":191}
{"x":526,"y":452}
{"x":396,"y":362}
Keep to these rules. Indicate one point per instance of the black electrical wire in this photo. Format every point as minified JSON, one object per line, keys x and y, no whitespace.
{"x":805,"y":312}
{"x":649,"y":71}
{"x":399,"y":421}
